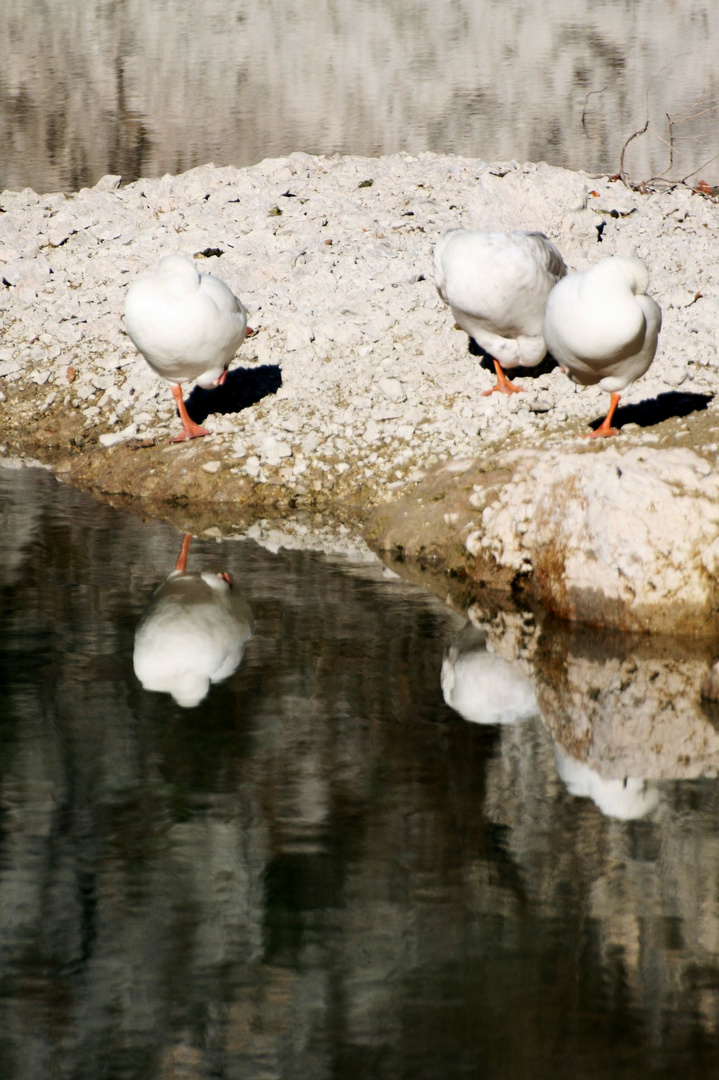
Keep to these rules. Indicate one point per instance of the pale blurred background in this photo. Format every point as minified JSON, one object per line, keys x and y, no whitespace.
{"x":145,"y":87}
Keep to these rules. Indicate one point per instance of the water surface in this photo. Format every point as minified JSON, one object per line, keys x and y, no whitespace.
{"x":145,"y":87}
{"x":322,"y":869}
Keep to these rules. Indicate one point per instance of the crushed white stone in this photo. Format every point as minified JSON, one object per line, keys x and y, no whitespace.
{"x":374,"y":376}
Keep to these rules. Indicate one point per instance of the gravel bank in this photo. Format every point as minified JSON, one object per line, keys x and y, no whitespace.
{"x":356,"y":382}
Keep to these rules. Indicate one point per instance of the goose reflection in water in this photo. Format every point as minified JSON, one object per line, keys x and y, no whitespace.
{"x":483,"y":687}
{"x":193,"y":633}
{"x":627,"y":799}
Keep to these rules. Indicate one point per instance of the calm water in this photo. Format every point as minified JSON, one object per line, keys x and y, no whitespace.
{"x":322,"y":870}
{"x":145,"y":87}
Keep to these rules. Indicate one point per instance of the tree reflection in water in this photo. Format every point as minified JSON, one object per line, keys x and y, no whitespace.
{"x":321,"y":870}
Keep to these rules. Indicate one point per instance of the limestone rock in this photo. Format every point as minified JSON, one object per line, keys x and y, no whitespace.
{"x":617,"y":538}
{"x":392,"y":389}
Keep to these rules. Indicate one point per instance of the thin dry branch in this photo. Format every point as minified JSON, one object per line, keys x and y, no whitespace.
{"x":695,"y":171}
{"x":709,"y":107}
{"x":584,"y":110}
{"x":704,"y":109}
{"x":622,"y":172}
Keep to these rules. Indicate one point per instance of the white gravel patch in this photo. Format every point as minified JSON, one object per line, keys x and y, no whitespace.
{"x":376,"y":384}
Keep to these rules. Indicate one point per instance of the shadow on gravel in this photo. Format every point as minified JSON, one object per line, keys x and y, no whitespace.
{"x":242,"y":388}
{"x":655,"y":410}
{"x":548,"y":364}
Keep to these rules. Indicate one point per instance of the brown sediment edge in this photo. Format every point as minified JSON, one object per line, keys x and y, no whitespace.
{"x":435,"y":534}
{"x":365,"y":405}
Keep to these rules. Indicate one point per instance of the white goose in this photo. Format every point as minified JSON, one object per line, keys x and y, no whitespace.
{"x":602,"y":328}
{"x":193,"y":633}
{"x":497,"y":284}
{"x":187,"y":325}
{"x":481,"y":686}
{"x":626,"y":799}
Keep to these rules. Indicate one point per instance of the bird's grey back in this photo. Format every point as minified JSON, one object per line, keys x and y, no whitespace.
{"x":553,"y":261}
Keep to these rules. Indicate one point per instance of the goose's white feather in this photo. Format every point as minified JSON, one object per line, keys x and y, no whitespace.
{"x":187,"y":325}
{"x":483,"y":687}
{"x":193,"y":633}
{"x":601,"y":326}
{"x":497,"y":284}
{"x":626,"y":799}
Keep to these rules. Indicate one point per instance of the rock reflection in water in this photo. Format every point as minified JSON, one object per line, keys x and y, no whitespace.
{"x":193,"y":633}
{"x":321,"y":870}
{"x":630,"y":705}
{"x":622,"y":709}
{"x":488,"y":688}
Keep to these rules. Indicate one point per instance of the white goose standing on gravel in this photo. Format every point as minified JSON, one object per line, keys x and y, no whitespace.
{"x":601,"y":326}
{"x":497,"y":284}
{"x":187,"y":325}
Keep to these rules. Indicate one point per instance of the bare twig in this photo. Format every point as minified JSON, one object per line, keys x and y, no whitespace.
{"x":670,"y":144}
{"x":711,"y":106}
{"x":584,"y":110}
{"x":695,"y":171}
{"x":622,"y":174}
{"x":699,"y":109}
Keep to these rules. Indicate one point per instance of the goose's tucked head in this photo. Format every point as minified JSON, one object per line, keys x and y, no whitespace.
{"x":178,"y":272}
{"x":188,"y":688}
{"x":629,"y":269}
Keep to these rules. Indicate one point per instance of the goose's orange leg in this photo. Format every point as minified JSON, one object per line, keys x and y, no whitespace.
{"x":503,"y":385}
{"x":605,"y":428}
{"x":190,"y":430}
{"x":181,"y":563}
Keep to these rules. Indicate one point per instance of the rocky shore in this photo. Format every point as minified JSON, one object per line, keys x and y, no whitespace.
{"x":357,"y":397}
